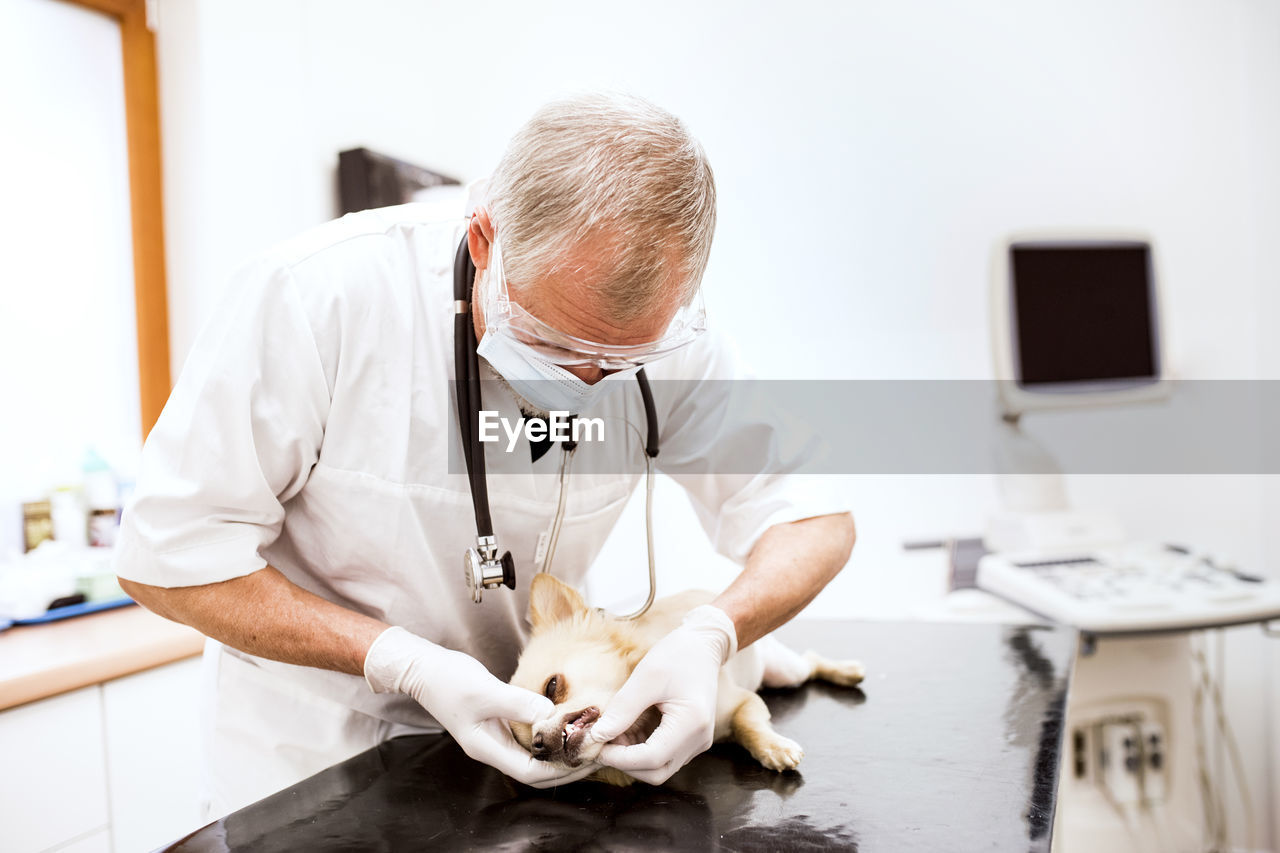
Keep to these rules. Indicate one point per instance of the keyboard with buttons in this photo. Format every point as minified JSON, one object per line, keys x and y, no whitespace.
{"x":1131,"y":589}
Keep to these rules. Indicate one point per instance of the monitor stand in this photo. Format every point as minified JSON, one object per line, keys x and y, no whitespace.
{"x":1035,"y":514}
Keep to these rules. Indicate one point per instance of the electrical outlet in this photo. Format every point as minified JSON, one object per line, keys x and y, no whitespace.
{"x":1155,"y":759}
{"x":1120,"y":762}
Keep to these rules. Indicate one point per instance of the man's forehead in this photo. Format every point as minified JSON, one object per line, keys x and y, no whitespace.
{"x":573,"y":298}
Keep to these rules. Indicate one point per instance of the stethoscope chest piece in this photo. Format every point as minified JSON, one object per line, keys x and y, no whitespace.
{"x":484,"y":569}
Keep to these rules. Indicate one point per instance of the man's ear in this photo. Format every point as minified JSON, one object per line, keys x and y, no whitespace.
{"x":552,"y":602}
{"x":480,"y":239}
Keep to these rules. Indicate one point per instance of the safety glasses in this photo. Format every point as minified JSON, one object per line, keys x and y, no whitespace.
{"x":507,"y":317}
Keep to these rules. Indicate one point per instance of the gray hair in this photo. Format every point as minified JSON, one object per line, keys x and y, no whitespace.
{"x":614,"y":173}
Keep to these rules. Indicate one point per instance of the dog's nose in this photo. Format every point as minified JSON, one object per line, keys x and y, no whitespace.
{"x":540,"y":747}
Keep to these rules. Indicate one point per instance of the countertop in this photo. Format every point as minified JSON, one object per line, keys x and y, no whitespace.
{"x":952,"y":743}
{"x":38,"y":661}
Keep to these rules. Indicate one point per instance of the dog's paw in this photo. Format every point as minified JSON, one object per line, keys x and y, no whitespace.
{"x":780,"y":753}
{"x":846,"y":673}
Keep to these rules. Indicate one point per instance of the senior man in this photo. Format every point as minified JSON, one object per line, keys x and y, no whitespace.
{"x":296,"y":504}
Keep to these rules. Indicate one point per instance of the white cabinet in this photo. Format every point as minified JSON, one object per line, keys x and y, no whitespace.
{"x":54,"y":780}
{"x":115,"y":766}
{"x":152,"y":725}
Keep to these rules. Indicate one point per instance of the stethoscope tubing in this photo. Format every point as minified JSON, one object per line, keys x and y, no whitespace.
{"x":566,"y":462}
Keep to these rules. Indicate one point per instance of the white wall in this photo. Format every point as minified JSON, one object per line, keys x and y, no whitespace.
{"x":867,"y":156}
{"x":874,"y":150}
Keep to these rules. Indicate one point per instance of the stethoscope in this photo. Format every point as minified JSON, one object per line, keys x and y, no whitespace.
{"x":483,"y":568}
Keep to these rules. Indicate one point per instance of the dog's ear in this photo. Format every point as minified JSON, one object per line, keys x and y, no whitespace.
{"x":552,"y":601}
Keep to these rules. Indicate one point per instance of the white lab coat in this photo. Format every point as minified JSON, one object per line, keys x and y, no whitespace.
{"x":311,"y":430}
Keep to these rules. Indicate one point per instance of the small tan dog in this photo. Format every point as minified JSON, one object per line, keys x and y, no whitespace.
{"x":579,"y":658}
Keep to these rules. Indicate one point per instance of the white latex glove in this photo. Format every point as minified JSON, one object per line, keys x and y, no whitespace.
{"x":680,"y":675}
{"x":468,"y":701}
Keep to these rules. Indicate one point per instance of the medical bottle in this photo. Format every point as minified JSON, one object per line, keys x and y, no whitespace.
{"x":102,"y":498}
{"x":70,"y":523}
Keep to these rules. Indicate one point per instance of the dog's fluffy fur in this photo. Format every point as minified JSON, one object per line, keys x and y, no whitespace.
{"x":579,"y":658}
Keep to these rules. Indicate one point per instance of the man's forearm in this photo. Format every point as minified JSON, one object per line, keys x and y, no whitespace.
{"x":266,"y":614}
{"x":788,"y":566}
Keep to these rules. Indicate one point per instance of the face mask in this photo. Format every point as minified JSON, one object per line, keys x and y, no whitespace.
{"x":548,"y":386}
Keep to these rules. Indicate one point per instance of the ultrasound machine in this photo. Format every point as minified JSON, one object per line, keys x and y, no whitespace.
{"x":1076,"y":325}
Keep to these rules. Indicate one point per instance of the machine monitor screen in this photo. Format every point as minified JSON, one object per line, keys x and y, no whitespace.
{"x":1083,"y":313}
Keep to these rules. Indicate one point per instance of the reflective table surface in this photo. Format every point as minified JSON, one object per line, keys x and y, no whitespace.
{"x":953,"y":743}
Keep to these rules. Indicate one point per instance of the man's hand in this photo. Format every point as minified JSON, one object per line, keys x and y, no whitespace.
{"x":468,"y":701}
{"x":679,"y":675}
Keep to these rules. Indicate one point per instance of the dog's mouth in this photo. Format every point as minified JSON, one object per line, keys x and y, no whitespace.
{"x":575,"y":732}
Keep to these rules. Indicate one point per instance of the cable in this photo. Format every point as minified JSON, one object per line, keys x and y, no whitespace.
{"x":1233,"y":749}
{"x":1213,"y":642}
{"x":1129,"y":814}
{"x":1218,"y":826}
{"x":1157,"y":823}
{"x":1210,"y":805}
{"x":1127,"y":811}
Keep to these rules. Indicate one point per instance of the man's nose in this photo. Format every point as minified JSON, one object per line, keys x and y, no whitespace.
{"x":589,"y":373}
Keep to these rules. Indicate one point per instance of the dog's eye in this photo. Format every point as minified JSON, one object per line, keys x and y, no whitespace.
{"x":553,"y":684}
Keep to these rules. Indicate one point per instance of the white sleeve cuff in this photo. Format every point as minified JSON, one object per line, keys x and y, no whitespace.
{"x":781,"y":500}
{"x":195,"y":564}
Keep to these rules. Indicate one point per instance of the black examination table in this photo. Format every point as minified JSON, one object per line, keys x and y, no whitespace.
{"x":953,"y":743}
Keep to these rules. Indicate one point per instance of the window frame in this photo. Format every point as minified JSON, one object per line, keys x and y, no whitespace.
{"x":142,"y":128}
